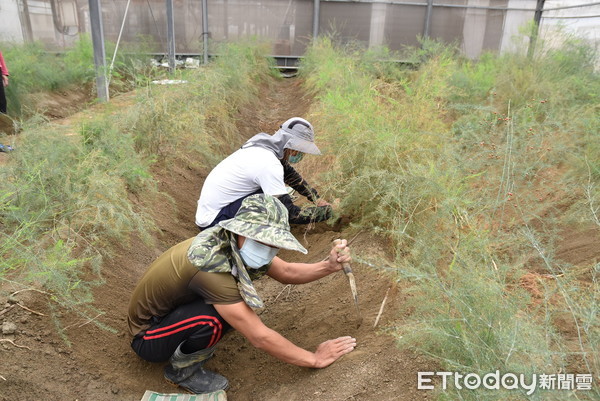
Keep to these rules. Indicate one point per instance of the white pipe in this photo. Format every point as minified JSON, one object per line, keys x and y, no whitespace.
{"x":112,"y":63}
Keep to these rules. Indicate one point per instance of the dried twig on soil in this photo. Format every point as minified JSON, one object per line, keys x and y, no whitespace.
{"x":2,"y":377}
{"x":90,"y":320}
{"x":288,"y":287}
{"x":6,"y":310}
{"x":23,"y":289}
{"x":13,"y":343}
{"x":29,"y":289}
{"x":381,"y":307}
{"x":30,"y":310}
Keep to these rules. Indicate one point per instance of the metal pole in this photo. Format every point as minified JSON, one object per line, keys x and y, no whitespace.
{"x":428,"y":18}
{"x":226,"y":19}
{"x":205,"y":29}
{"x":573,"y":6}
{"x":170,"y":36}
{"x":499,"y":8}
{"x":316,"y":17}
{"x":26,"y":24}
{"x":99,"y":55}
{"x":537,"y":18}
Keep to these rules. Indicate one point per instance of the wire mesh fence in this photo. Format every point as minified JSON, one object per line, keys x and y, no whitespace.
{"x":476,"y":25}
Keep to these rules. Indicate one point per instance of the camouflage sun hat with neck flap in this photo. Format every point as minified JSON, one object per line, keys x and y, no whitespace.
{"x":260,"y":217}
{"x":264,"y":219}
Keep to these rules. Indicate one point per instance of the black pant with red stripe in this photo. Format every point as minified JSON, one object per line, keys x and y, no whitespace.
{"x":197,"y":325}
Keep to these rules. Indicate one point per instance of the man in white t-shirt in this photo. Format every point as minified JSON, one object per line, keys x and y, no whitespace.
{"x":262,"y":165}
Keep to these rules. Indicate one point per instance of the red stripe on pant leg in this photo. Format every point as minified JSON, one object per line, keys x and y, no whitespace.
{"x":184,"y":322}
{"x":215,"y":337}
{"x":216,"y":330}
{"x":219,"y":334}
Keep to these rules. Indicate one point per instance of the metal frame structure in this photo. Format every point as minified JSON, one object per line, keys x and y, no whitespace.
{"x":290,"y":61}
{"x":99,"y":53}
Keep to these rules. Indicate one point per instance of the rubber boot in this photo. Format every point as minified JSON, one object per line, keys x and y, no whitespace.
{"x":185,"y":370}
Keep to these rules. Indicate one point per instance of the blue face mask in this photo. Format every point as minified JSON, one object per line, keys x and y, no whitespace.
{"x":256,"y":255}
{"x":296,"y":158}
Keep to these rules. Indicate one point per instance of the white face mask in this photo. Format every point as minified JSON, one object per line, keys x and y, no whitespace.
{"x":256,"y":255}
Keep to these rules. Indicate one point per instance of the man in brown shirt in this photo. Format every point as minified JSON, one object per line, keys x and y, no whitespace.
{"x":202,"y":287}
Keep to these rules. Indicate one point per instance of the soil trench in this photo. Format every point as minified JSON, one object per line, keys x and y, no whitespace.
{"x":36,"y":364}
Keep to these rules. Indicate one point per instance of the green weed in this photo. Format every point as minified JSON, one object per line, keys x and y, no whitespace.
{"x":34,"y":69}
{"x":452,"y":160}
{"x":69,"y":194}
{"x":197,"y":119}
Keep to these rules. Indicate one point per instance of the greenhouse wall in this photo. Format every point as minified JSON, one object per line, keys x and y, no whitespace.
{"x":475,"y":25}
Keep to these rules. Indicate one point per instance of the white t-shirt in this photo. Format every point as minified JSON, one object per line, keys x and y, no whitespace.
{"x":243,"y":172}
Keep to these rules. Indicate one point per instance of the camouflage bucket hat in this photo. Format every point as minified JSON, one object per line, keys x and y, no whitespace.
{"x":264,"y":218}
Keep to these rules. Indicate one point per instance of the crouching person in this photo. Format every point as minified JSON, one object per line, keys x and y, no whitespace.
{"x":202,"y":287}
